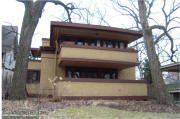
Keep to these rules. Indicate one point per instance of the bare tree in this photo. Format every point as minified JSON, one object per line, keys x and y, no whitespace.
{"x":141,"y":13}
{"x":169,"y":16}
{"x":161,"y":94}
{"x":33,"y":11}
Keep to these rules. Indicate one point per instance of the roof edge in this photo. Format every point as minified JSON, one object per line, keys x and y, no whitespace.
{"x":97,"y":27}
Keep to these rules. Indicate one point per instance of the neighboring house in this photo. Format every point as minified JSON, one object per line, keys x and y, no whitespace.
{"x":93,"y":61}
{"x":9,"y":45}
{"x":174,"y":83}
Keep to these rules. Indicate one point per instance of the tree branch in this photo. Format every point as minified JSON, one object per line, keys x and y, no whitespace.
{"x":150,"y":5}
{"x":68,"y":7}
{"x":168,"y":35}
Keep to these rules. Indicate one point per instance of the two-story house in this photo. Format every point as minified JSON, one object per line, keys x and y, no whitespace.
{"x":93,"y":61}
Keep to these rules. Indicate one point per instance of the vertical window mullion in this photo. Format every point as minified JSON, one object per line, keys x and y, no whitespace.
{"x":31,"y":74}
{"x":27,"y":76}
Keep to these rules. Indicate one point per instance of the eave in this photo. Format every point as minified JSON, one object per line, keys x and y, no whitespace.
{"x":96,"y":31}
{"x":175,"y":67}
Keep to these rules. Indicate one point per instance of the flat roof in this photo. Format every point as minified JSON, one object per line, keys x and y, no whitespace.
{"x":96,"y":31}
{"x":95,"y":27}
{"x":35,"y":52}
{"x":175,"y":67}
{"x":45,"y":39}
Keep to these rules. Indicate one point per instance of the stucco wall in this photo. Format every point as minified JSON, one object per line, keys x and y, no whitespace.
{"x":127,"y":74}
{"x":45,"y":43}
{"x":48,"y":69}
{"x":33,"y":88}
{"x":100,"y":89}
{"x":67,"y":52}
{"x":34,"y":65}
{"x":60,"y":72}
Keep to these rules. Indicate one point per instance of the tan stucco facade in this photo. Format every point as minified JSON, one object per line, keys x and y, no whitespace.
{"x":127,"y":74}
{"x":34,"y":65}
{"x":45,"y":43}
{"x":67,"y":52}
{"x":50,"y":68}
{"x":33,"y":88}
{"x":100,"y":89}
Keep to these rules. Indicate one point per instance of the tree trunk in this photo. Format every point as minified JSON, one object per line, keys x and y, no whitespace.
{"x":161,"y":93}
{"x":31,"y":17}
{"x":33,"y":11}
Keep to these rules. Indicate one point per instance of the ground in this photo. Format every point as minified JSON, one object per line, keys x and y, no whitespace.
{"x":34,"y":108}
{"x":98,"y":112}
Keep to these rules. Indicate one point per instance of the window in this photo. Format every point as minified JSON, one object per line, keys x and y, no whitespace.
{"x":96,"y":42}
{"x":122,"y":45}
{"x":79,"y":42}
{"x":107,"y":76}
{"x":92,"y":43}
{"x":110,"y":44}
{"x":33,"y":76}
{"x":85,"y":72}
{"x":69,"y":74}
{"x":86,"y":43}
{"x":76,"y":74}
{"x":116,"y":44}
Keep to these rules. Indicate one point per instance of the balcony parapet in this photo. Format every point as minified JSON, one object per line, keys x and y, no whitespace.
{"x":73,"y":45}
{"x":101,"y":80}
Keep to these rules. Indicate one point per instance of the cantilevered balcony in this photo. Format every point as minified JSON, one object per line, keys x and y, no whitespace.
{"x":91,"y":56}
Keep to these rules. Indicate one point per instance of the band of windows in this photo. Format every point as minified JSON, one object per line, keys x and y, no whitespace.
{"x":98,"y":73}
{"x":97,"y":42}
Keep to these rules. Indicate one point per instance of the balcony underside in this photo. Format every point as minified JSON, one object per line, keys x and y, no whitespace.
{"x":96,"y":63}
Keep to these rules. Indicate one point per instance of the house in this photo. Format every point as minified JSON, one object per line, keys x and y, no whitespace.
{"x":9,"y":46}
{"x":94,"y":62}
{"x":174,"y":82}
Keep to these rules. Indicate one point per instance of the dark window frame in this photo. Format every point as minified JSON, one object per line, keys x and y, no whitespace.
{"x":94,"y":73}
{"x":89,"y":41}
{"x":31,"y":76}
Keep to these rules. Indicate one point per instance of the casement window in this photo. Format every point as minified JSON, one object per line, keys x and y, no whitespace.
{"x":92,"y":43}
{"x":122,"y":45}
{"x":86,"y":72}
{"x":33,"y":76}
{"x":80,"y":42}
{"x":116,"y":44}
{"x":96,"y":42}
{"x":110,"y":44}
{"x":104,"y":44}
{"x":86,"y":43}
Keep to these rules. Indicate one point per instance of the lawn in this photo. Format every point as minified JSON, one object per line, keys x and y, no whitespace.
{"x":93,"y":112}
{"x":44,"y":108}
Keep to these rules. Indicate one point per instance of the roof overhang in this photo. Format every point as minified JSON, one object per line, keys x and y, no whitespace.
{"x":171,"y":67}
{"x":35,"y":52}
{"x":96,"y":63}
{"x":45,"y":39}
{"x":94,"y":31}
